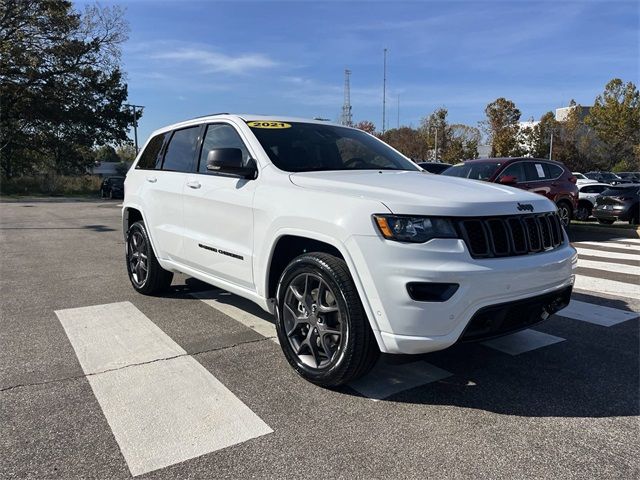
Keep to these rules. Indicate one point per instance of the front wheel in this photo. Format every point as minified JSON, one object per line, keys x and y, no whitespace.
{"x":583,"y":213}
{"x":322,"y":327}
{"x":565,"y":213}
{"x":145,"y":273}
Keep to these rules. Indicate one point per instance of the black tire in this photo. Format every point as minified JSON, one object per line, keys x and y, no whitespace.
{"x":110,"y":194}
{"x":604,"y":221}
{"x":102,"y":195}
{"x":155,"y":279}
{"x":356,"y":351}
{"x":583,"y":212}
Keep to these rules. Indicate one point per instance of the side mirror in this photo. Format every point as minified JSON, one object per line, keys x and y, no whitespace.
{"x":508,"y":180}
{"x":229,"y":161}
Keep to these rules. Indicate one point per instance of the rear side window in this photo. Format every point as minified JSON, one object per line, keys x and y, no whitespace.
{"x":150,"y":158}
{"x":515,"y":170}
{"x":534,"y":171}
{"x":552,"y":171}
{"x":181,"y":150}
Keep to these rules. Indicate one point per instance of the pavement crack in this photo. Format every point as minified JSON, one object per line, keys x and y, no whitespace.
{"x":109,"y":370}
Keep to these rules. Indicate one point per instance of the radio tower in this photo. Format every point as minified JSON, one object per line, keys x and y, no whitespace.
{"x":346,"y":107}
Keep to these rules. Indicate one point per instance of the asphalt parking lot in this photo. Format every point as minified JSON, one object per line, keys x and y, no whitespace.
{"x":560,"y":401}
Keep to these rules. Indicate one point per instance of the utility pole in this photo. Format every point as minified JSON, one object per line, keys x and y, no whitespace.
{"x":551,"y":145}
{"x":384,"y":91}
{"x":435,"y":153}
{"x":346,"y":106}
{"x":398,"y":124}
{"x":135,"y":121}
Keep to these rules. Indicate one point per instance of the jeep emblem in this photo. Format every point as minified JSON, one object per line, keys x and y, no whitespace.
{"x":525,"y":207}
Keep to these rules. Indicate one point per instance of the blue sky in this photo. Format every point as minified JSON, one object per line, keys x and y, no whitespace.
{"x":188,"y":58}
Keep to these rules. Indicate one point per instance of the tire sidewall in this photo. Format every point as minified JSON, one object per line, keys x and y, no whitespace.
{"x":138,"y":227}
{"x":311,"y":264}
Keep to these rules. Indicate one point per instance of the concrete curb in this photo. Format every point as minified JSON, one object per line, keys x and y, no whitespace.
{"x":621,"y":232}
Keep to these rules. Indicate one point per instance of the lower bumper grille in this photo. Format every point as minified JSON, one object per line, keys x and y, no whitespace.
{"x":509,"y":317}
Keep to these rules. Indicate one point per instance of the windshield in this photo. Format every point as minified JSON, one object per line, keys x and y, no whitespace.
{"x":473,"y":170}
{"x":610,"y":176}
{"x":311,"y":147}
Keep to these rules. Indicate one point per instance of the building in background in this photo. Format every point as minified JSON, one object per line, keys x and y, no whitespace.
{"x":563,"y":113}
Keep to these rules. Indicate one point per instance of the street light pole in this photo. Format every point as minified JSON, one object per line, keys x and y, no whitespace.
{"x":436,"y":146}
{"x":551,"y":146}
{"x":384,"y":91}
{"x":135,"y":122}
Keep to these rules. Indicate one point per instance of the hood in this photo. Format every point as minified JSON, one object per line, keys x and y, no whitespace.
{"x":421,"y":193}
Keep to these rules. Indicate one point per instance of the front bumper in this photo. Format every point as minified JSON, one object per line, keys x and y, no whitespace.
{"x":623,"y":213}
{"x":405,"y":325}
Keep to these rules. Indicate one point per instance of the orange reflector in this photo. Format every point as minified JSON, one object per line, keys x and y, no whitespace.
{"x":384,"y":227}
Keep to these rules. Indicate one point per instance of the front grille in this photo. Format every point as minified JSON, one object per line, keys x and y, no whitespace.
{"x":511,"y":236}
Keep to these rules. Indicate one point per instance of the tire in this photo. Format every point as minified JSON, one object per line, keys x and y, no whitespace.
{"x":583,"y":213}
{"x":634,"y":219}
{"x":604,"y":221}
{"x":102,"y":195}
{"x":335,"y":323}
{"x":565,"y":212}
{"x":139,"y":254}
{"x":110,"y":194}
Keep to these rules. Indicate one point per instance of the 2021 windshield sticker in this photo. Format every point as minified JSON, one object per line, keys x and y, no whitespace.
{"x":264,"y":124}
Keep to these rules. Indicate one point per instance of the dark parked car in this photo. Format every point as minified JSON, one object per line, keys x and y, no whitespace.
{"x":619,"y":202}
{"x":434,"y":167}
{"x":546,"y":177}
{"x":629,"y":177}
{"x":112,"y":187}
{"x":604,"y":177}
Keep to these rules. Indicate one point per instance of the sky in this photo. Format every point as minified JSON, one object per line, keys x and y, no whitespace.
{"x":189,"y":58}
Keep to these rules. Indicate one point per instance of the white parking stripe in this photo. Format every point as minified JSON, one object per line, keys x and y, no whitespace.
{"x":522,"y":342}
{"x":606,"y":254}
{"x":161,"y":404}
{"x":236,"y":307}
{"x":597,"y":314}
{"x":610,"y":287}
{"x":634,"y":247}
{"x":385,"y":379}
{"x":609,"y":267}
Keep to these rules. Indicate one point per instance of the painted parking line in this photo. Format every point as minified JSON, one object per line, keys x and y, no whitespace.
{"x":386,"y":379}
{"x":596,"y":314}
{"x":606,"y":267}
{"x":240,"y":310}
{"x":609,"y":287}
{"x":602,"y":253}
{"x":163,"y":407}
{"x":631,"y":244}
{"x":522,"y":342}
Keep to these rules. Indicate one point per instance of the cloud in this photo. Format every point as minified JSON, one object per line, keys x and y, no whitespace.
{"x":212,"y":61}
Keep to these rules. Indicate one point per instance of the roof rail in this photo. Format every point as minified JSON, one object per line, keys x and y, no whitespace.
{"x":210,"y":115}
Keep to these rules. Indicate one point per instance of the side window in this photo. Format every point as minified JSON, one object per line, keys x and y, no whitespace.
{"x":552,"y":171}
{"x":221,"y":135}
{"x":534,"y":171}
{"x":515,"y":170}
{"x":181,"y":150}
{"x":150,"y":158}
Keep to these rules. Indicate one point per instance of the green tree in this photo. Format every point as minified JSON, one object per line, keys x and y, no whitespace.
{"x":126,"y":152}
{"x":61,"y":87}
{"x":502,"y":127}
{"x":615,"y":119}
{"x":409,"y":141}
{"x":107,"y":153}
{"x":462,"y":144}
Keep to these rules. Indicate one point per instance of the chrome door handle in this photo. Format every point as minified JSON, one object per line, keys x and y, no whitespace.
{"x":152,"y":179}
{"x":194,"y":184}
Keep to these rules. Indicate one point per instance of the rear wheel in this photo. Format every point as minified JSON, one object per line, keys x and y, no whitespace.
{"x":322,"y":327}
{"x":583,"y":212}
{"x":565,"y":212}
{"x":145,"y":273}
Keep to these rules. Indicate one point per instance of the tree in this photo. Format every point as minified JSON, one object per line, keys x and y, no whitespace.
{"x":107,"y":153}
{"x":366,"y":126}
{"x":463,"y":142}
{"x":126,"y":152}
{"x":615,"y":119}
{"x":435,"y":128}
{"x":409,"y":141}
{"x":61,"y":88}
{"x":536,"y":140}
{"x":502,"y":127}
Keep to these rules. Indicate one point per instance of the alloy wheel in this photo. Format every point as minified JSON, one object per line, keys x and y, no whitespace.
{"x":565,"y":216}
{"x":313,"y":322}
{"x":137,"y":258}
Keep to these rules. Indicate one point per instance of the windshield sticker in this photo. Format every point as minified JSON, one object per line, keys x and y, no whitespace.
{"x":540,"y":171}
{"x":262,"y":124}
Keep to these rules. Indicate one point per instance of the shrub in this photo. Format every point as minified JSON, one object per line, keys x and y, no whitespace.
{"x":56,"y":185}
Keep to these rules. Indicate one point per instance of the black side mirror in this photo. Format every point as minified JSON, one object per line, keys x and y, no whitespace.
{"x":229,"y":161}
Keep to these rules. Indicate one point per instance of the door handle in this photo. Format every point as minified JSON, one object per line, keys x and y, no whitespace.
{"x":152,"y":179}
{"x":194,"y":184}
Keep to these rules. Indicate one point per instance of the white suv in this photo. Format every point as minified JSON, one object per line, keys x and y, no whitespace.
{"x":353,"y":247}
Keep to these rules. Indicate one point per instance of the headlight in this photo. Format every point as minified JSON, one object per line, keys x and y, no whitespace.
{"x":414,"y":229}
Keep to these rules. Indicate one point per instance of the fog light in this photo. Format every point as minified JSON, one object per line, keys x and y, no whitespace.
{"x":431,"y":292}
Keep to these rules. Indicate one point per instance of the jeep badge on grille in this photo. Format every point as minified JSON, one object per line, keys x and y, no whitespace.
{"x":525,"y":207}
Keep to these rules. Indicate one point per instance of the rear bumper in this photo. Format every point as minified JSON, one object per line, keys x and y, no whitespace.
{"x":623,"y":213}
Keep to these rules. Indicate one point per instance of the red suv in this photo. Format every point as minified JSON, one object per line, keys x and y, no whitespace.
{"x":546,"y":177}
